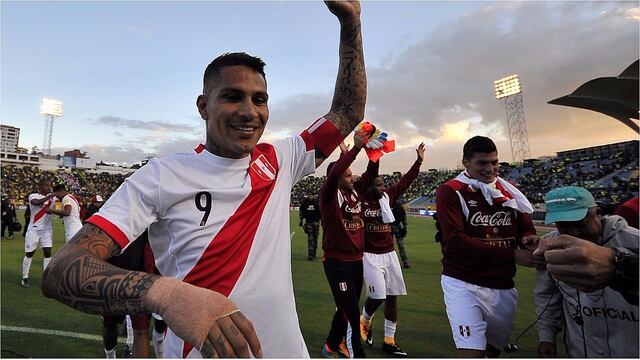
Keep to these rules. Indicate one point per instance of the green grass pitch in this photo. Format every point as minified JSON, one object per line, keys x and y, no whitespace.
{"x":423,"y":329}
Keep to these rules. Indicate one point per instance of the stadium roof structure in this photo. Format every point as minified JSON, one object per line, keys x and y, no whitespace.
{"x":613,"y":96}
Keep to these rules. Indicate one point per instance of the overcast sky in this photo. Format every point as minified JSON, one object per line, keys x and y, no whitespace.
{"x":128,"y":73}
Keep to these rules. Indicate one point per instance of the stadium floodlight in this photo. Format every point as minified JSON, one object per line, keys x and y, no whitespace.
{"x":509,"y":90}
{"x":507,"y":86}
{"x":51,"y":109}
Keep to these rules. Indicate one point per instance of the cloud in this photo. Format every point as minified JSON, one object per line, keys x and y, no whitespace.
{"x":440,"y":89}
{"x":134,"y":151}
{"x":456,"y":131}
{"x":121,"y":154}
{"x":298,"y":112}
{"x":154,"y":125}
{"x":176,"y":146}
{"x":444,"y":82}
{"x":132,"y":29}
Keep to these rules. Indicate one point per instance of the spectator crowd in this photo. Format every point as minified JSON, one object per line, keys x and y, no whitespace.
{"x":611,"y":179}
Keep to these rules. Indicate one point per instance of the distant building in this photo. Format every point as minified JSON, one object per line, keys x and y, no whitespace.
{"x":76,"y":159}
{"x":76,"y":154}
{"x":9,"y":136}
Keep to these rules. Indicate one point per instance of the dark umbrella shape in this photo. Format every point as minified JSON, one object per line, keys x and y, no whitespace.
{"x":613,"y":96}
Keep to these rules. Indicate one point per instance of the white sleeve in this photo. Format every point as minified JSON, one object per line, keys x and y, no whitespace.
{"x":297,"y":157}
{"x":66,"y":201}
{"x":133,"y":206}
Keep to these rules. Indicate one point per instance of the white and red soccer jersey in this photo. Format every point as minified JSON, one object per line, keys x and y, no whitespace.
{"x":40,"y":220}
{"x":221,"y":224}
{"x":72,"y":223}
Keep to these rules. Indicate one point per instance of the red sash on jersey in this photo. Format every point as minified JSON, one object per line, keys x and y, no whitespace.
{"x":42,"y":211}
{"x":221,"y":264}
{"x":77,"y":203}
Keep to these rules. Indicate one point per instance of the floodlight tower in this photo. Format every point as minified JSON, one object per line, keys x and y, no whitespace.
{"x":51,"y":110}
{"x":509,"y":90}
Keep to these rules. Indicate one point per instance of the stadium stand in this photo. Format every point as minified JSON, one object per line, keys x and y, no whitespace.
{"x":21,"y":181}
{"x":610,"y":172}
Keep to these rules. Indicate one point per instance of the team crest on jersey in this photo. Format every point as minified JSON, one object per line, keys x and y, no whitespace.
{"x":263,"y":168}
{"x":465,"y":331}
{"x":342,"y":286}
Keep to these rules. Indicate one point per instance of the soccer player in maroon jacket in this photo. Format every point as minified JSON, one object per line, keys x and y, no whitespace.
{"x":484,"y":221}
{"x":343,"y":243}
{"x":382,"y":271}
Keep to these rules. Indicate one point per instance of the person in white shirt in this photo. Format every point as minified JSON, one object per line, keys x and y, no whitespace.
{"x":70,"y":211}
{"x":39,"y":232}
{"x":218,"y":218}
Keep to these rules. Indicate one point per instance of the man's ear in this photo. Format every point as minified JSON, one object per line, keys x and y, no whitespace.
{"x":465,"y":163}
{"x":201,"y":104}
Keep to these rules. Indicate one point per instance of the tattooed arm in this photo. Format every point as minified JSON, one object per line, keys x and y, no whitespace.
{"x":79,"y":276}
{"x":349,"y":97}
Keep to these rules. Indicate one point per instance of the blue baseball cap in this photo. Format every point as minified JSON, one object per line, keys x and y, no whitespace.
{"x":569,"y":203}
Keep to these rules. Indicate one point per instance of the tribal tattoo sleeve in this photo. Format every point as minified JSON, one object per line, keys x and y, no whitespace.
{"x":79,"y":276}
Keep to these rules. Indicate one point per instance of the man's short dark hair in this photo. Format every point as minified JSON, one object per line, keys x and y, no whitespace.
{"x":478,"y":144}
{"x":230,"y":59}
{"x":59,"y":187}
{"x":44,"y":182}
{"x":329,"y":167}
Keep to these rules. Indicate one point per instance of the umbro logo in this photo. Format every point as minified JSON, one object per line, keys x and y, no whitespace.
{"x":473,"y":203}
{"x":465,"y":331}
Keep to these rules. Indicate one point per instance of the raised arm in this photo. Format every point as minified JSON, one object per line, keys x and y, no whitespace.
{"x":397,"y":189}
{"x":366,"y":179}
{"x":349,"y":97}
{"x":66,"y":211}
{"x":41,"y":201}
{"x":79,"y":276}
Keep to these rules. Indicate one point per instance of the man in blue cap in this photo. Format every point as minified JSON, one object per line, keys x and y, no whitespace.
{"x":600,"y":321}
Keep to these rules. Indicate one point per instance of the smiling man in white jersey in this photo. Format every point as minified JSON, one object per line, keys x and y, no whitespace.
{"x":39,"y":232}
{"x":70,"y":211}
{"x":218,"y":218}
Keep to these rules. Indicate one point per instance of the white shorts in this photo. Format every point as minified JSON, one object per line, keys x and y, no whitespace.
{"x":33,"y":238}
{"x":383,"y":275}
{"x":478,"y":315}
{"x":71,"y":232}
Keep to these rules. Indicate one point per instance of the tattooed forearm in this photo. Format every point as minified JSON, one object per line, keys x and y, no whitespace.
{"x":349,"y":98}
{"x":79,"y":277}
{"x":96,"y":241}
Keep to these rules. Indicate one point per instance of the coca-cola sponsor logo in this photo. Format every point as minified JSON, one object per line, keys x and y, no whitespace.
{"x":353,"y":210}
{"x":500,"y":218}
{"x":372,"y":213}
